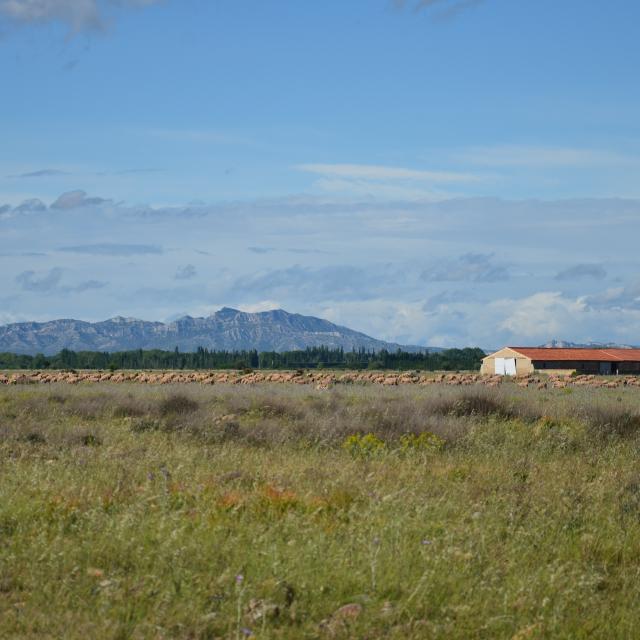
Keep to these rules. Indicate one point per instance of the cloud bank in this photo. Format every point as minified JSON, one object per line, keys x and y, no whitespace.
{"x":452,"y":272}
{"x":596,"y":271}
{"x":49,"y":282}
{"x":74,"y":200}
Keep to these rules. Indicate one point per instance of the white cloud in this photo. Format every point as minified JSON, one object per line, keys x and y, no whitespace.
{"x":616,"y":298}
{"x":377,"y":190}
{"x":526,"y":320}
{"x":261,"y":305}
{"x":378,"y":181}
{"x":537,"y":316}
{"x":10,"y":318}
{"x":377,"y":172}
{"x":394,"y":320}
{"x":79,"y":15}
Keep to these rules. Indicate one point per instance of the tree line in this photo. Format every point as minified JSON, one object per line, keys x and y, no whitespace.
{"x":310,"y":358}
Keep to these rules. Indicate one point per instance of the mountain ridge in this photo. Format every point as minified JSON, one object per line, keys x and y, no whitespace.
{"x":227,"y":329}
{"x":564,"y":344}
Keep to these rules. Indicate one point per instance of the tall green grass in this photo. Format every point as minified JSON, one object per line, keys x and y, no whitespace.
{"x":226,"y":512}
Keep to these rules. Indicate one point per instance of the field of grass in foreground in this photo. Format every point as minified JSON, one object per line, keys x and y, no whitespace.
{"x":230,"y":512}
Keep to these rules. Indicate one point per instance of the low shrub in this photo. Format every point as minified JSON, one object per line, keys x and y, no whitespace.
{"x":474,"y":404}
{"x":364,"y":446}
{"x":141,"y":425}
{"x":33,"y":437}
{"x":612,"y":421}
{"x":90,"y":440}
{"x":128,"y":410}
{"x":178,"y":404}
{"x":425,"y":441}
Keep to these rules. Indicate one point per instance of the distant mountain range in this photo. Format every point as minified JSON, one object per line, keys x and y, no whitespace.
{"x":563,"y":344}
{"x":227,"y":329}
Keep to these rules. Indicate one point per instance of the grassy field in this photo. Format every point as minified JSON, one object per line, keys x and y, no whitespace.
{"x":279,"y":511}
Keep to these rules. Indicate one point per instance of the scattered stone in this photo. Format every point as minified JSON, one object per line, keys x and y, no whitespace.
{"x":231,"y":476}
{"x":341,"y":619}
{"x":259,"y":610}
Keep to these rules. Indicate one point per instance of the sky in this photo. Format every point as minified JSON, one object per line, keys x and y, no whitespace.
{"x":435,"y":172}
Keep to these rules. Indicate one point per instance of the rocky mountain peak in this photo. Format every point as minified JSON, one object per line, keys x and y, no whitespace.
{"x":227,"y":329}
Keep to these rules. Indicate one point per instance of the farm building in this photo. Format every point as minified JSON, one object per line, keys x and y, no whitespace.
{"x":518,"y":361}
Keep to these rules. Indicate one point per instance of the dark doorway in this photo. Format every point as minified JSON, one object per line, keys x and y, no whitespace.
{"x":606,"y":368}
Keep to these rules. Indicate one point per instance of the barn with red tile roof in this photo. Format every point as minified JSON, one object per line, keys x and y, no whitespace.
{"x":525,"y":360}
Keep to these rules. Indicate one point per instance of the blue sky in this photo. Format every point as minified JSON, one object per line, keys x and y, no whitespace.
{"x":446,"y":172}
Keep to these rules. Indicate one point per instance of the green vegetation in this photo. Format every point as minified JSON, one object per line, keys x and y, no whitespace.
{"x":275,"y":511}
{"x":316,"y":357}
